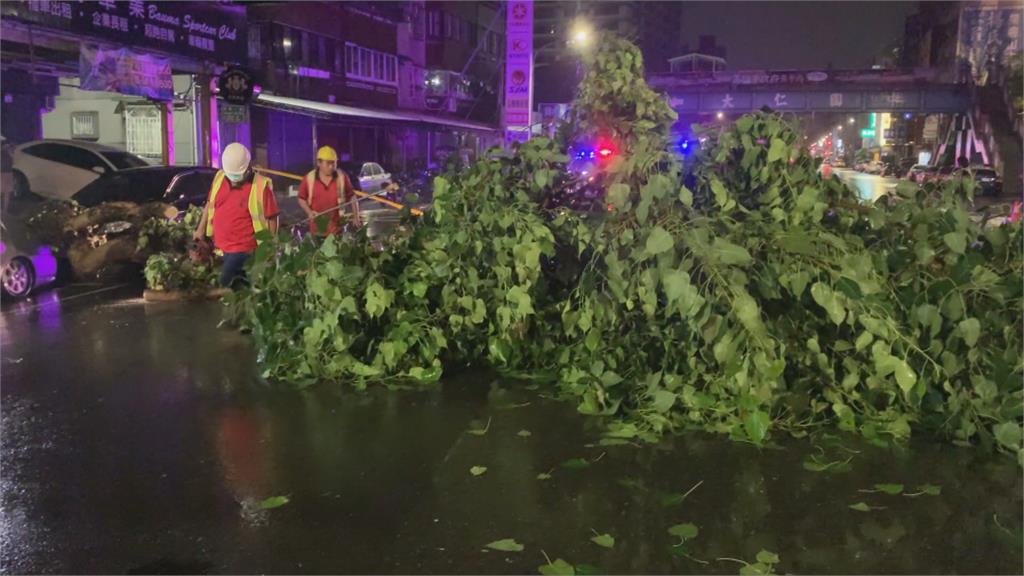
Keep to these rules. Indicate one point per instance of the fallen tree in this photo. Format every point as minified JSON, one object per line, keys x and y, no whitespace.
{"x":741,"y":295}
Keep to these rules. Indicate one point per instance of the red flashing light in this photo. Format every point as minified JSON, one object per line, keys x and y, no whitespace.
{"x":605,"y":152}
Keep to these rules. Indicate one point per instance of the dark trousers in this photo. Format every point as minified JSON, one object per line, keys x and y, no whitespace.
{"x":232,"y":273}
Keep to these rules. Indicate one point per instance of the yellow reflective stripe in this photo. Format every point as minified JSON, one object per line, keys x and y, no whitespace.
{"x":211,"y":202}
{"x":310,"y":181}
{"x":256,"y":209}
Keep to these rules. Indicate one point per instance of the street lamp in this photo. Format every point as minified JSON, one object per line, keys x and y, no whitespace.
{"x":840,"y":127}
{"x":850,"y":120}
{"x":580,"y":34}
{"x":720,"y":115}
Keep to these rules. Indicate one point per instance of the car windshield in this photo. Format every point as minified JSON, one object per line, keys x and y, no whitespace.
{"x":123,"y":160}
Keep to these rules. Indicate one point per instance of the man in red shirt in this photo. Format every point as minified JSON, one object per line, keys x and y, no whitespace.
{"x":241,"y":203}
{"x":324,"y":193}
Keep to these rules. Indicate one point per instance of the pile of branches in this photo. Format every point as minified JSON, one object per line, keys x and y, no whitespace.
{"x":743,"y":296}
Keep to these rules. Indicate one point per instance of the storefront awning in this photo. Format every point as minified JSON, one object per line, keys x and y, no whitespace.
{"x":352,"y":111}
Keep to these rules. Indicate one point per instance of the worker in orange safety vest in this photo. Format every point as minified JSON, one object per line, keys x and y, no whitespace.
{"x":325,"y":193}
{"x":241,"y":203}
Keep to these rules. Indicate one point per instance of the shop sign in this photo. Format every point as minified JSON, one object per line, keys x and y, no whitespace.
{"x":232,"y":113}
{"x":206,"y":30}
{"x":235,"y":86}
{"x":518,"y":102}
{"x":126,"y":72}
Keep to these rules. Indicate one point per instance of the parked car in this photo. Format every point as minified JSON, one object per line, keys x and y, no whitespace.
{"x":989,"y":183}
{"x":367,"y":177}
{"x":60,"y":168}
{"x":180,"y":186}
{"x":24,"y":263}
{"x":919,"y":173}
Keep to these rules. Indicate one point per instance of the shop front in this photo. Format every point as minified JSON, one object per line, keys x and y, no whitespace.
{"x":138,"y":76}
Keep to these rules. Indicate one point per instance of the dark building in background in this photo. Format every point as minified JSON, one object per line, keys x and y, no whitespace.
{"x":401,"y":84}
{"x":707,"y":57}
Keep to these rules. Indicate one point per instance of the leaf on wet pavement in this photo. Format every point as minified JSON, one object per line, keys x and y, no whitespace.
{"x":543,"y":476}
{"x":684,"y":531}
{"x":604,"y":540}
{"x":926,"y":490}
{"x":889,"y":488}
{"x":274,"y":502}
{"x":524,"y":434}
{"x":480,"y":431}
{"x":557,"y":568}
{"x":575,"y":463}
{"x":766,"y":557}
{"x":505,"y":545}
{"x":477,"y":470}
{"x":588,"y":570}
{"x":860,"y":507}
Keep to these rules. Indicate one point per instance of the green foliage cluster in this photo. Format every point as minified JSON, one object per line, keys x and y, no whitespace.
{"x":744,"y":296}
{"x":168,"y":266}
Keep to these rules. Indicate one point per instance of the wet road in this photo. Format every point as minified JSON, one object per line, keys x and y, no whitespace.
{"x":139,"y":438}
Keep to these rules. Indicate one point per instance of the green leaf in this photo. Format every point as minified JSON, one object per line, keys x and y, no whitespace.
{"x":957,"y":241}
{"x":505,"y":545}
{"x":686,"y":197}
{"x":1008,"y":434}
{"x":755,"y":424}
{"x":523,"y":434}
{"x":274,"y":502}
{"x":860,"y":507}
{"x":662,"y":401}
{"x":728,"y":253}
{"x":477,"y":470}
{"x":828,"y":300}
{"x":970,"y":329}
{"x":777,"y":150}
{"x":658,"y":241}
{"x":905,"y":376}
{"x":766,"y":557}
{"x":889,"y":488}
{"x":927,"y":490}
{"x":684,"y":532}
{"x":543,"y":476}
{"x":604,"y":540}
{"x":575,"y":463}
{"x":588,"y":570}
{"x":863,"y":341}
{"x":557,"y":568}
{"x":618,"y":195}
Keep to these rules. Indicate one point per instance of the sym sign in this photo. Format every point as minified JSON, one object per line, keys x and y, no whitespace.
{"x":518,"y":69}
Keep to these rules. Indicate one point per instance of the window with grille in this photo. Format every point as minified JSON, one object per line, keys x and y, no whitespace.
{"x":143,"y":131}
{"x":371,"y":65}
{"x":85,"y":125}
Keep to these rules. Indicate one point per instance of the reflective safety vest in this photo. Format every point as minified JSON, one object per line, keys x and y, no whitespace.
{"x":259,"y":184}
{"x":339,"y":180}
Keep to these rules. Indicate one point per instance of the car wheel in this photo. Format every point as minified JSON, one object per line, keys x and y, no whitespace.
{"x":19,"y":278}
{"x":21,"y":187}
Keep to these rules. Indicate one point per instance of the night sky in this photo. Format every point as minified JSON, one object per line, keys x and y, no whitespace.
{"x":797,"y":34}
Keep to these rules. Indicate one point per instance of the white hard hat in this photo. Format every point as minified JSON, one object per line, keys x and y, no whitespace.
{"x":235,"y":159}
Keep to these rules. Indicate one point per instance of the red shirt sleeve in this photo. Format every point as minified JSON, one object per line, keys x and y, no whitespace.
{"x":270,"y":209}
{"x":304,"y":190}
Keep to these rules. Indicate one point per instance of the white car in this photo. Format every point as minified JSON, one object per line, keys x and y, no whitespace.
{"x":24,"y":264}
{"x":59,"y":168}
{"x":372,"y":179}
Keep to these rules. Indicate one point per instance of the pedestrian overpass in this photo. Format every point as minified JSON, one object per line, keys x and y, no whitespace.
{"x":922,"y":90}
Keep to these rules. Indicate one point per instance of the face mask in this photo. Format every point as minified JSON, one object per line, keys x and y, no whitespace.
{"x":235,"y":178}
